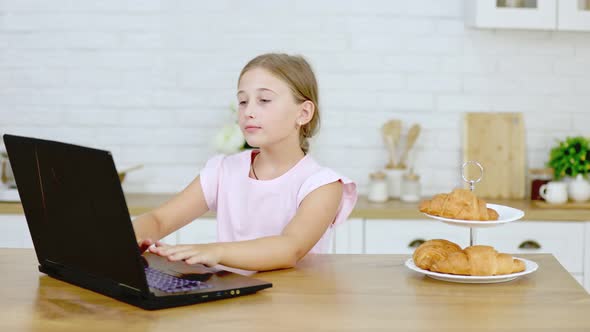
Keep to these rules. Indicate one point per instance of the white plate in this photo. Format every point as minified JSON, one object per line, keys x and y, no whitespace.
{"x":530,"y":267}
{"x":506,"y":214}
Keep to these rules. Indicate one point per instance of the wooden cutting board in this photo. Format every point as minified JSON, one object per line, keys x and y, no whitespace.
{"x":496,"y":141}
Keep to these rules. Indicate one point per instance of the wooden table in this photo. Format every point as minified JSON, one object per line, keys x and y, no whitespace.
{"x":324,"y":292}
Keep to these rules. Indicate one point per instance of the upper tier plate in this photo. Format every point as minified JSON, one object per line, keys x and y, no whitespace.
{"x":506,"y":214}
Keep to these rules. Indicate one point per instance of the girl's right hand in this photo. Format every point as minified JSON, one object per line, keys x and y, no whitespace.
{"x":144,"y":244}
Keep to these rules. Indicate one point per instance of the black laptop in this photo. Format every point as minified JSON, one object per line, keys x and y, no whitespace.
{"x":82,"y":231}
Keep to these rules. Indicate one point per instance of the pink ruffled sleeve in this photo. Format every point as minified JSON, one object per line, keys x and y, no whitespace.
{"x":326,"y":176}
{"x":209,"y":177}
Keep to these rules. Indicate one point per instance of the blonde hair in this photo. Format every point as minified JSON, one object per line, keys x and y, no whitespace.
{"x":297,"y":73}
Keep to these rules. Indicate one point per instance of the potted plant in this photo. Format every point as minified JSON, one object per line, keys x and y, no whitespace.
{"x":570,"y":157}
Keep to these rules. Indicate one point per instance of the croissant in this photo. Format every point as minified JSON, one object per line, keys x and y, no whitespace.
{"x":474,"y":261}
{"x":459,"y":204}
{"x":434,"y":250}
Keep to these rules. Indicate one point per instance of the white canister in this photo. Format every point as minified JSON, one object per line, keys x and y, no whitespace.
{"x":410,"y":188}
{"x":554,"y":192}
{"x":394,"y":181}
{"x":378,"y":187}
{"x":579,"y":189}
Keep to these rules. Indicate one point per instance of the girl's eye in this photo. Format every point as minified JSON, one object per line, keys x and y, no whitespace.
{"x":265,"y":100}
{"x":243,"y":102}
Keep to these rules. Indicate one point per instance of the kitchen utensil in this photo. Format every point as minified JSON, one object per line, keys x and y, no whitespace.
{"x":391,"y":132}
{"x":123,"y":173}
{"x":413,"y":134}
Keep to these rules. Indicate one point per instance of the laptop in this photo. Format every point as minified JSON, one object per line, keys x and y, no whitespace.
{"x":83,"y":234}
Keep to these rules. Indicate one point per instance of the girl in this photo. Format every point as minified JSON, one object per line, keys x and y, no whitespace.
{"x":274,"y":204}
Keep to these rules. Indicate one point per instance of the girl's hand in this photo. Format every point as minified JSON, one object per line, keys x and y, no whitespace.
{"x":144,"y":244}
{"x":207,"y":254}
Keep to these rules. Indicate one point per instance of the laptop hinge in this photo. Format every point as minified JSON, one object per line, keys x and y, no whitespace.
{"x":51,"y":267}
{"x":56,"y":264}
{"x":131,"y":288}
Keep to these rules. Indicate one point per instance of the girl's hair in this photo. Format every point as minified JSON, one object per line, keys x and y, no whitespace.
{"x":297,"y":73}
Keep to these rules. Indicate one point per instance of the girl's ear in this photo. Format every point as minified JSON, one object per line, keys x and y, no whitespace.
{"x":306,"y":112}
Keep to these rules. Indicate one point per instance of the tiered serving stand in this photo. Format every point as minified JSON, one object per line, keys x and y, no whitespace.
{"x":506,"y":215}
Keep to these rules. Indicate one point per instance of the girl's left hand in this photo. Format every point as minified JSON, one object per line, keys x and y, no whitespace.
{"x":207,"y":254}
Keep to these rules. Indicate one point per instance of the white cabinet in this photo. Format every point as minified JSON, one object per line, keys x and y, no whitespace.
{"x":348,"y":237}
{"x":565,"y":240}
{"x":528,"y":14}
{"x":512,"y":14}
{"x":403,"y":236}
{"x":14,"y":232}
{"x":573,"y":15}
{"x":202,"y":230}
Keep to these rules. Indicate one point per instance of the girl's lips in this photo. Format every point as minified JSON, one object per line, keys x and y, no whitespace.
{"x":251,"y":129}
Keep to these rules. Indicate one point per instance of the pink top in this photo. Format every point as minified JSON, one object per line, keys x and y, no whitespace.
{"x":248,"y":208}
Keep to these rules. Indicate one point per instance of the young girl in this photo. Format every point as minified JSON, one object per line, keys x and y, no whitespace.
{"x":274,"y":204}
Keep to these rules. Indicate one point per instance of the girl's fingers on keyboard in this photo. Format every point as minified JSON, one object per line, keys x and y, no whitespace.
{"x":144,"y":244}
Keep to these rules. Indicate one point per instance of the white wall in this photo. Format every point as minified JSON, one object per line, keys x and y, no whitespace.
{"x":152,"y":80}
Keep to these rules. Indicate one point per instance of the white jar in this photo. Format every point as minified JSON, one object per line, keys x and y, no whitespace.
{"x":377,"y":187}
{"x":579,"y":189}
{"x":394,"y":181}
{"x":411,"y":188}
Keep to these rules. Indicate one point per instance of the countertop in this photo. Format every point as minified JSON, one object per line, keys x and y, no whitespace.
{"x":324,"y":292}
{"x":139,"y":203}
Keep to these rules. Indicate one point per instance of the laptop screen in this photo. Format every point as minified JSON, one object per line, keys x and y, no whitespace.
{"x":75,"y":208}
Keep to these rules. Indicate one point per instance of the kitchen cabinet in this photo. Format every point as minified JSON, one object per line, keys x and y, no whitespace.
{"x":202,"y":230}
{"x":565,"y":240}
{"x":566,"y":15}
{"x":14,"y":232}
{"x":573,"y":15}
{"x":403,"y":236}
{"x":525,"y":14}
{"x":348,"y":237}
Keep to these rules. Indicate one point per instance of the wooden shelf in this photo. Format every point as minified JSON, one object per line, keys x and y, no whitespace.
{"x":139,"y":203}
{"x":567,"y":206}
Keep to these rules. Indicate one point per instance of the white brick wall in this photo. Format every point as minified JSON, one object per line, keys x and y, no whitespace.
{"x":151,"y":80}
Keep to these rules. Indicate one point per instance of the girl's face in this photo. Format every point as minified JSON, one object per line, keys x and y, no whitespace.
{"x":268,"y":111}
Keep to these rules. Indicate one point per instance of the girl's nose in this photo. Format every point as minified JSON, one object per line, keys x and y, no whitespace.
{"x":248,"y":112}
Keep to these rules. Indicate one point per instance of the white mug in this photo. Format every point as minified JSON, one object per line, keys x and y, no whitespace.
{"x":554,"y":192}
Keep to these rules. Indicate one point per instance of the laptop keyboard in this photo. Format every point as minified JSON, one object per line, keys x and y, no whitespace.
{"x":171,"y":284}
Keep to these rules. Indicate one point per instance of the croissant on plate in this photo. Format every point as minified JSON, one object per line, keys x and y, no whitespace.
{"x":459,"y":204}
{"x":432,"y":251}
{"x":446,"y":257}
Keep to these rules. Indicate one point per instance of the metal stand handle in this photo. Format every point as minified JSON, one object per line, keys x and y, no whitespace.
{"x":472,"y":183}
